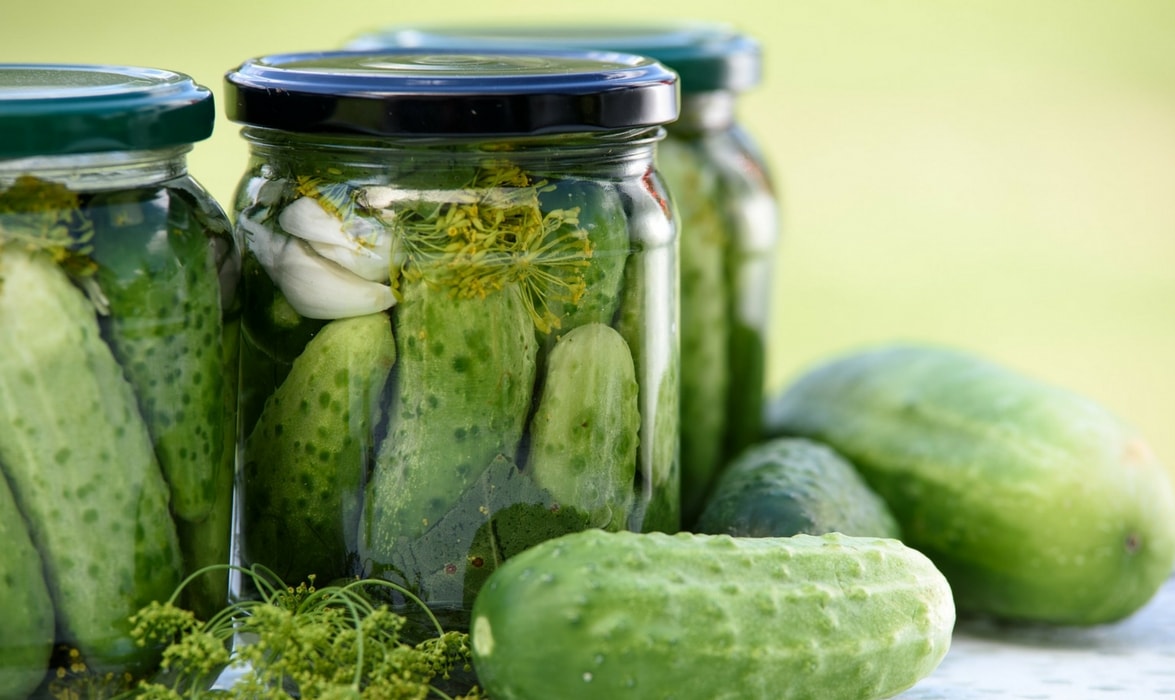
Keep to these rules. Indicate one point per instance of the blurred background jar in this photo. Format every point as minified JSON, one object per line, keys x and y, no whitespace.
{"x":117,"y":365}
{"x":460,"y":310}
{"x":719,"y":182}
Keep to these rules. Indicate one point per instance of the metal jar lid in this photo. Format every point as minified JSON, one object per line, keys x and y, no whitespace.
{"x":456,"y":92}
{"x":56,"y":109}
{"x":707,"y":56}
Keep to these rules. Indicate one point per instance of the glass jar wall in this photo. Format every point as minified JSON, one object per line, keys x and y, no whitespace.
{"x":460,"y":313}
{"x":117,"y":368}
{"x":727,"y":208}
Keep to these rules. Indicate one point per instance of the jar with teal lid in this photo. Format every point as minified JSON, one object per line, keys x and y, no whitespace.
{"x":118,"y":278}
{"x":460,"y":311}
{"x":728,"y":210}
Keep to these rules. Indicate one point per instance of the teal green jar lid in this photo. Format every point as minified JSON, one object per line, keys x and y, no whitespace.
{"x":59,"y":109}
{"x":705,"y":56}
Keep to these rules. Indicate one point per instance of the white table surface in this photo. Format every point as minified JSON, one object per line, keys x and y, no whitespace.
{"x":1129,"y":660}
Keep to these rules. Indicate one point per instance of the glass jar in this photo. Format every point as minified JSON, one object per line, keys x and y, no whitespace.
{"x":728,"y":214}
{"x":117,"y":362}
{"x":460,"y":320}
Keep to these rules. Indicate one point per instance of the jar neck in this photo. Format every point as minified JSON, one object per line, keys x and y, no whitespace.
{"x":608,"y":154}
{"x":101,"y":171}
{"x":705,"y":112}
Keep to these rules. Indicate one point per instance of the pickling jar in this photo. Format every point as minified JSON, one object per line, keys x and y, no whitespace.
{"x":118,"y":346}
{"x":728,"y":212}
{"x":460,"y":310}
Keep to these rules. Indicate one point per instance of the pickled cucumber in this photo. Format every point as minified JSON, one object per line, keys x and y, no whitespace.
{"x":26,"y":637}
{"x":157,"y":269}
{"x":584,"y":433}
{"x":465,"y":377}
{"x":79,"y":459}
{"x":305,"y":461}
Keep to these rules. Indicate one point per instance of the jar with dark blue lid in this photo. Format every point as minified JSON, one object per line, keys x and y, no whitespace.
{"x":728,"y":209}
{"x":460,"y":310}
{"x":117,"y":369}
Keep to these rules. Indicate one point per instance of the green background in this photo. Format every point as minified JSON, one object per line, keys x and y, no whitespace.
{"x":997,"y":175}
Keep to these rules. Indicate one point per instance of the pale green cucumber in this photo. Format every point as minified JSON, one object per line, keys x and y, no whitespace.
{"x":157,"y":267}
{"x":1036,"y":503}
{"x":598,"y":614}
{"x":80,"y":463}
{"x":465,"y":377}
{"x":706,"y":320}
{"x":583,"y":436}
{"x":26,"y":635}
{"x":305,"y":461}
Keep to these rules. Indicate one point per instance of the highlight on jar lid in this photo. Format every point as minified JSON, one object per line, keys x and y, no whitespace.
{"x":57,"y":109}
{"x":456,"y":92}
{"x":706,"y":56}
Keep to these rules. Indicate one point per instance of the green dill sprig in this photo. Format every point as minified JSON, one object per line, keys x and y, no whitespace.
{"x":492,"y":233}
{"x":38,"y":214}
{"x":292,"y":641}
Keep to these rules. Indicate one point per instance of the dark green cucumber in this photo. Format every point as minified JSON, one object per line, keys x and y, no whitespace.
{"x":705,"y":319}
{"x":1036,"y":503}
{"x":792,"y":486}
{"x":583,"y":436}
{"x":79,"y":459}
{"x":465,"y":377}
{"x":157,"y":268}
{"x":598,"y":614}
{"x":305,"y":461}
{"x":26,"y":635}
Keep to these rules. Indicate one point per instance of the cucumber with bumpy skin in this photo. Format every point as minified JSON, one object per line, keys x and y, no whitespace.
{"x":157,"y":268}
{"x":79,"y":460}
{"x":26,"y":637}
{"x":1036,"y":503}
{"x":791,"y":486}
{"x":583,"y":437}
{"x":710,"y":617}
{"x":306,"y":459}
{"x":466,"y":370}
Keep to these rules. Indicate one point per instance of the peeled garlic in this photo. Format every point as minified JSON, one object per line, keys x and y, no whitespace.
{"x":314,"y":286}
{"x":359,"y":244}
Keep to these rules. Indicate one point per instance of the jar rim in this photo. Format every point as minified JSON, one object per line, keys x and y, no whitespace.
{"x":457,"y":92}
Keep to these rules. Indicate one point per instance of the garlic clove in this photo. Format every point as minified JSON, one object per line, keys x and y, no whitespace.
{"x":359,"y":244}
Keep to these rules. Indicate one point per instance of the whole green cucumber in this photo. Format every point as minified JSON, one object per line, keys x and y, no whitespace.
{"x":598,"y":614}
{"x":26,"y":636}
{"x":80,"y":463}
{"x":583,"y":436}
{"x":465,"y":377}
{"x":305,"y":461}
{"x":1036,"y":503}
{"x":791,"y":486}
{"x":157,"y":267}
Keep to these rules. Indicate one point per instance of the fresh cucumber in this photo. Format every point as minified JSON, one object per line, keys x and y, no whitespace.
{"x":792,"y":486}
{"x":465,"y":376}
{"x":1036,"y":503}
{"x":305,"y":461}
{"x":80,"y":463}
{"x":583,"y":436}
{"x":598,"y":614}
{"x":158,"y":270}
{"x":26,"y":636}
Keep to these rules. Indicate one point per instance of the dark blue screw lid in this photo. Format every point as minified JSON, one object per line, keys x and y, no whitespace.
{"x":456,"y":92}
